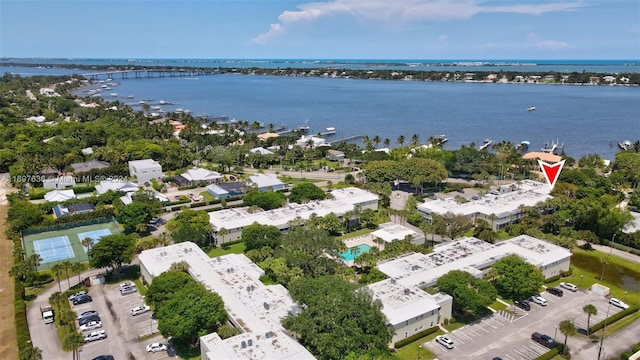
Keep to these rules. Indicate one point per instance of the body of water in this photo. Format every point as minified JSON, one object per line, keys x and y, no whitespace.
{"x":586,"y":119}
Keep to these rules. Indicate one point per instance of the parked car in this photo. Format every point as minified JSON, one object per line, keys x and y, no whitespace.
{"x":155,"y":347}
{"x":154,"y":221}
{"x":91,"y":326}
{"x":95,"y":335}
{"x":444,"y":341}
{"x":82,"y":300}
{"x":619,"y":303}
{"x":539,"y":300}
{"x":78,"y":294}
{"x":569,"y":286}
{"x":87,"y":313}
{"x":177,"y":197}
{"x":103,"y":357}
{"x":140,"y":310}
{"x":128,"y":290}
{"x":523,"y":304}
{"x":88,"y":319}
{"x":555,"y":291}
{"x":544,"y":340}
{"x":127,"y":284}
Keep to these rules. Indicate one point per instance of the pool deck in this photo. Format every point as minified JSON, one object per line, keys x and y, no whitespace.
{"x":366,"y":239}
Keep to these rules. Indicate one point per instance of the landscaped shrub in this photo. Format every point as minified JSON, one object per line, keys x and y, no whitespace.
{"x":613,"y":318}
{"x":552,"y":279}
{"x":415,"y":337}
{"x":550,"y":354}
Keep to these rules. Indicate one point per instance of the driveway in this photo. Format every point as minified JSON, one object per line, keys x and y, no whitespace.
{"x":510,"y":338}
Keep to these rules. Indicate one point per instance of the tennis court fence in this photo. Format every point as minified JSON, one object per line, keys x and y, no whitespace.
{"x":66,"y":226}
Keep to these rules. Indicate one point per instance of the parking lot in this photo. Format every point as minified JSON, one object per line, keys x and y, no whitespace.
{"x":510,"y":337}
{"x":123,"y":329}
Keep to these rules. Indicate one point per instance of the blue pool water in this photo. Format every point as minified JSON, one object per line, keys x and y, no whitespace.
{"x":349,"y":256}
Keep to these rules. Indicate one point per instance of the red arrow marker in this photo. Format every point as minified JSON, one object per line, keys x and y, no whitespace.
{"x":551,"y":172}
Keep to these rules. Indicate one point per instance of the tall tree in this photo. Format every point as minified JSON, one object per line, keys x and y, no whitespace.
{"x":134,"y":214}
{"x":589,"y":309}
{"x":72,"y":342}
{"x":191,"y":225}
{"x":66,"y":265}
{"x":57,"y":269}
{"x":567,"y":328}
{"x":470,"y":294}
{"x":516,"y":279}
{"x":112,"y":251}
{"x":256,"y":236}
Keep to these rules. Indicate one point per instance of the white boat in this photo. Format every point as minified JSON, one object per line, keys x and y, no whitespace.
{"x":129,"y":96}
{"x":625,"y":145}
{"x":179,"y":110}
{"x":439,"y":140}
{"x":330,"y":130}
{"x":487,"y":143}
{"x":114,"y":94}
{"x":531,"y":108}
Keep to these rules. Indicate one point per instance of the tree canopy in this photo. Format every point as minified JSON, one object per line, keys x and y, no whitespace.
{"x":265,"y":200}
{"x":471,"y":295}
{"x":112,"y":251}
{"x":185,"y":309}
{"x":256,"y":236}
{"x":190,"y":225}
{"x":337,"y":319}
{"x":515,"y":278}
{"x":306,"y":191}
{"x":133,"y":215}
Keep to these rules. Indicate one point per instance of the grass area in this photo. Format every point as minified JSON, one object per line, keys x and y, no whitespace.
{"x":618,"y":325}
{"x":207,"y":197}
{"x":294,"y":181}
{"x":140,"y":286}
{"x":497,"y":305}
{"x":415,"y":350}
{"x":453,"y":326}
{"x":355,"y":233}
{"x":620,"y":275}
{"x":233,"y":249}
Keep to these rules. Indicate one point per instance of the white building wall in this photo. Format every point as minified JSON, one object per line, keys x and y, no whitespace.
{"x":415,"y":325}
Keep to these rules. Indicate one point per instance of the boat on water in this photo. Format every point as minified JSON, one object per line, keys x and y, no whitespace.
{"x":523,"y":146}
{"x":625,"y":145}
{"x":554,"y":148}
{"x":439,"y":140}
{"x":114,"y":94}
{"x":129,"y":96}
{"x":304,"y":128}
{"x":330,"y":130}
{"x":486,"y":144}
{"x":531,"y":108}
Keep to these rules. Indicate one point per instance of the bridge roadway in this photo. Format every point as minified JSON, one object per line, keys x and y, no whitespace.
{"x":147,"y":73}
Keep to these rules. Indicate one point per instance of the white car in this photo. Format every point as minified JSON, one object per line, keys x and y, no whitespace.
{"x":155,"y":347}
{"x":91,"y":326}
{"x":539,"y":300}
{"x":127,"y":284}
{"x":95,"y":335}
{"x":140,"y":310}
{"x":569,"y":286}
{"x":127,"y":290}
{"x":619,"y":303}
{"x":444,"y":341}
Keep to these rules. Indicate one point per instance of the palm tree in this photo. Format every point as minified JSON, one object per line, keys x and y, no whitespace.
{"x":415,"y":140}
{"x":568,"y":329}
{"x":31,"y":353}
{"x":56,"y":298}
{"x":386,"y":143}
{"x":87,"y":243}
{"x":589,"y":309}
{"x":20,"y":270}
{"x":57,"y":268}
{"x":222,"y":233}
{"x":73,"y":342}
{"x":401,"y":140}
{"x":66,"y":265}
{"x":35,"y":260}
{"x":376,"y":140}
{"x":77,"y":267}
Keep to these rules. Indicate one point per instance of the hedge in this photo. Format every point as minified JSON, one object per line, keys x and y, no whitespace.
{"x":613,"y":318}
{"x":415,"y":337}
{"x":552,"y":279}
{"x":627,"y":354}
{"x":22,"y":327}
{"x":550,"y":354}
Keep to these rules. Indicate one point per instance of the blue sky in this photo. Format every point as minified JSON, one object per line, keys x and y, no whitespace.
{"x":334,"y":29}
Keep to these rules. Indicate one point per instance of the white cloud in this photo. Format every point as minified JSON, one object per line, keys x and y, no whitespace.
{"x":553,"y":45}
{"x":443,"y":38}
{"x":402,"y":12}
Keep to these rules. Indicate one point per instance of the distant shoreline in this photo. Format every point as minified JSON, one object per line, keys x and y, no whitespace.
{"x":453,"y":75}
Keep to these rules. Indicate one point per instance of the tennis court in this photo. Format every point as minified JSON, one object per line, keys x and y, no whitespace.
{"x":66,"y":245}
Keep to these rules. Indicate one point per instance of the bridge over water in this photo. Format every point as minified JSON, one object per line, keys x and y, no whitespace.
{"x":148,"y":73}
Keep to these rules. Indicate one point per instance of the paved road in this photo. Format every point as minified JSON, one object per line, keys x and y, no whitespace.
{"x":616,"y":252}
{"x":45,"y":336}
{"x":613,"y":346}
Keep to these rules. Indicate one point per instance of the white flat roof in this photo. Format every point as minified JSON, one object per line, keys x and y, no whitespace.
{"x":262,"y":180}
{"x":528,"y":193}
{"x":144,"y":163}
{"x":468,"y":254}
{"x":255,"y":308}
{"x":399,"y":302}
{"x":390,"y":232}
{"x":345,"y":200}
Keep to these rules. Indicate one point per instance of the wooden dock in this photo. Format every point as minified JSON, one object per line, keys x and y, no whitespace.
{"x":348,"y":138}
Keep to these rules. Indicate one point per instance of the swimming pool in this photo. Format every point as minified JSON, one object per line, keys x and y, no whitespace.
{"x":361,"y":249}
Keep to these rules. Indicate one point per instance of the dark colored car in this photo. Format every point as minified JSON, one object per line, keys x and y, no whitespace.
{"x":87,"y":313}
{"x":524,"y":305}
{"x":103,"y":357}
{"x":555,"y":291}
{"x":88,"y":319}
{"x":544,"y":340}
{"x":82,"y":300}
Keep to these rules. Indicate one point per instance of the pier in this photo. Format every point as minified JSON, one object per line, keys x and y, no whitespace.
{"x":348,"y":138}
{"x":149,"y":73}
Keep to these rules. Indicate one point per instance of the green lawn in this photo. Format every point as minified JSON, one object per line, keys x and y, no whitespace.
{"x":355,"y":233}
{"x":497,"y":305}
{"x":620,"y":275}
{"x":411,"y":352}
{"x":233,"y":249}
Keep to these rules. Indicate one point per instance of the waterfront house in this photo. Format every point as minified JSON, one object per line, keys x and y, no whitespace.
{"x":335,"y":155}
{"x":261,"y":151}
